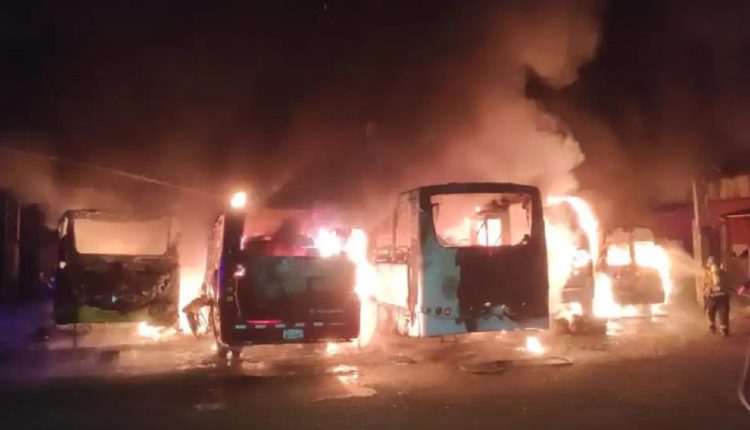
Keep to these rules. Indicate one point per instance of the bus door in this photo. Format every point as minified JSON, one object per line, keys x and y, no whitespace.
{"x":397,"y":267}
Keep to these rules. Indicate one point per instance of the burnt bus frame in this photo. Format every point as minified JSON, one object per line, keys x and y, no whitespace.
{"x":224,"y":255}
{"x":422,"y":316}
{"x":68,"y":257}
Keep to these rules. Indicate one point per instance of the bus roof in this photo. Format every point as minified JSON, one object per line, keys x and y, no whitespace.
{"x":474,"y":187}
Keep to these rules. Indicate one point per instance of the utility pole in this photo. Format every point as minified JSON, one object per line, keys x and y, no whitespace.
{"x":700,"y":214}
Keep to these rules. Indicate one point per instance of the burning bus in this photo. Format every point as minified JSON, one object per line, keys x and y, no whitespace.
{"x":115,"y":267}
{"x":288,"y":285}
{"x":463,"y":257}
{"x":637,"y":268}
{"x":572,"y":241}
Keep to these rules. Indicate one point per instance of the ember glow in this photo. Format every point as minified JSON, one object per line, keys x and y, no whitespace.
{"x":155,"y":332}
{"x":332,"y":348}
{"x":534,"y":346}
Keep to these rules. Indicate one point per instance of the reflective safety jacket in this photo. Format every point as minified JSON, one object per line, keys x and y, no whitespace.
{"x":715,"y":284}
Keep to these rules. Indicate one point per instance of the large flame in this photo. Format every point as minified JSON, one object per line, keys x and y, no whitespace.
{"x":563,"y":259}
{"x":586,"y":218}
{"x":328,"y":242}
{"x":354,"y":246}
{"x":191,"y":279}
{"x":564,"y":256}
{"x":561,"y":251}
{"x":649,"y":254}
{"x":534,"y":346}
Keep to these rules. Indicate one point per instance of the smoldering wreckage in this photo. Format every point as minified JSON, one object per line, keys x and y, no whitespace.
{"x":451,"y":259}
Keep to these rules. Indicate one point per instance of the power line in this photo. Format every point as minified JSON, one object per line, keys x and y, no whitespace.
{"x":112,"y":171}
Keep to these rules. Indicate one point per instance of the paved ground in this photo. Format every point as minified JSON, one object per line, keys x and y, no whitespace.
{"x":666,"y":373}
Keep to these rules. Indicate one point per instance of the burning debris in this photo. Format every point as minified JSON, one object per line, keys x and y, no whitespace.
{"x":155,"y":332}
{"x":534,"y":346}
{"x":354,"y":245}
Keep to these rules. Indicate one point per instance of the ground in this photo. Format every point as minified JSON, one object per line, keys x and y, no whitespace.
{"x":666,"y":373}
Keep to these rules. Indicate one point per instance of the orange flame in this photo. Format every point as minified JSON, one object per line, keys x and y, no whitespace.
{"x":565,"y":256}
{"x":355,"y":248}
{"x":191,"y":279}
{"x":563,"y":259}
{"x":155,"y":332}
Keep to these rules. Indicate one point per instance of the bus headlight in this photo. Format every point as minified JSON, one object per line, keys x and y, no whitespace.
{"x":238,"y":200}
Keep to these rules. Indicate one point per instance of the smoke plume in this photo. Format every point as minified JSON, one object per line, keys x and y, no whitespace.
{"x":351,"y":103}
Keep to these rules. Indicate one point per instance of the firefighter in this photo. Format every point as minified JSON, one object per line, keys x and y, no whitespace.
{"x":716,"y":292}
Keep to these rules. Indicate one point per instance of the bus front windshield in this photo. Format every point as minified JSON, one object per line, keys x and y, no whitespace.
{"x":115,"y":236}
{"x":482,"y":219}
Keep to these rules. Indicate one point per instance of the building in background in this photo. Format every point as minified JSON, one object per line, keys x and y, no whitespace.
{"x":725,"y":231}
{"x":9,"y":247}
{"x":28,"y":250}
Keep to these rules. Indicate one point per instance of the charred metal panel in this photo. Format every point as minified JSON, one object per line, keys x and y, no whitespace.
{"x":482,"y":288}
{"x":114,"y":287}
{"x":257,"y":296}
{"x":503,"y":277}
{"x":295,"y":287}
{"x":311,"y":294}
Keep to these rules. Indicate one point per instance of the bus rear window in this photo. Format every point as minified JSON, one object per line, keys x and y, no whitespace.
{"x":481,"y":219}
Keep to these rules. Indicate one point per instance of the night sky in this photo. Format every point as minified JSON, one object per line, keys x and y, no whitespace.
{"x":297,"y":97}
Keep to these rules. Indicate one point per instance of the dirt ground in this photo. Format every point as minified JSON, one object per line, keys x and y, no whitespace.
{"x":666,"y":373}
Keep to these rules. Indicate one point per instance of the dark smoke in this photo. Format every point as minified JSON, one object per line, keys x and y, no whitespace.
{"x":353,"y":102}
{"x":664,"y":100}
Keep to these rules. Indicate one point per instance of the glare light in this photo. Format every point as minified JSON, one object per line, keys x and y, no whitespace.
{"x":239,"y":200}
{"x":155,"y":332}
{"x":239,"y":272}
{"x":534,"y":346}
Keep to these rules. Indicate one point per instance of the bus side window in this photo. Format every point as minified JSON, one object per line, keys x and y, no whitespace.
{"x":403,"y":230}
